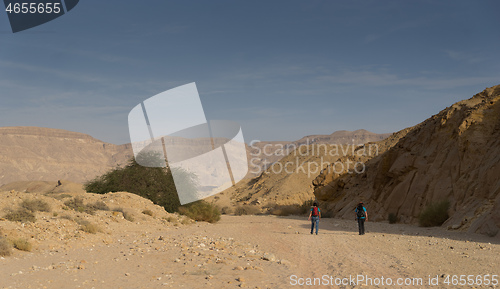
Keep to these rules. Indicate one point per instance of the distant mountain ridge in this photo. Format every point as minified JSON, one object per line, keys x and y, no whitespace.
{"x":36,"y":153}
{"x":47,"y":154}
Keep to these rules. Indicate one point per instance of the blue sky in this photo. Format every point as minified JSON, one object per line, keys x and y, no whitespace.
{"x":282,"y":69}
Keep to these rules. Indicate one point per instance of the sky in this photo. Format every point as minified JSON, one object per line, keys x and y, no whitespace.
{"x":282,"y":69}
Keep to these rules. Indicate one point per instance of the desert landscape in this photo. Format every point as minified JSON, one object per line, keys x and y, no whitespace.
{"x":60,"y":236}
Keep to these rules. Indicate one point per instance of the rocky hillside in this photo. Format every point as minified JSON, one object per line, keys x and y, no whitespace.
{"x":35,"y":153}
{"x":264,"y":153}
{"x":454,"y":156}
{"x":287,"y":181}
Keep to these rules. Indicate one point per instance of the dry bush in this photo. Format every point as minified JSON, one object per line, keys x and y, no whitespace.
{"x":306,"y":206}
{"x":36,"y":205}
{"x":98,"y":205}
{"x":286,"y":210}
{"x":186,"y":221}
{"x":90,"y":228}
{"x":434,"y":215}
{"x":148,"y":212}
{"x":246,"y":210}
{"x":171,"y":219}
{"x":21,"y":215}
{"x":126,"y":214}
{"x":393,"y":218}
{"x":61,"y":196}
{"x":77,"y":204}
{"x":5,"y":247}
{"x":226,"y":210}
{"x":67,"y":217}
{"x":22,"y":244}
{"x":201,"y":211}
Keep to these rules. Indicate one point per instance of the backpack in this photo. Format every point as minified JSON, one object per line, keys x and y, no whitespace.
{"x":315,"y":211}
{"x":361,"y":212}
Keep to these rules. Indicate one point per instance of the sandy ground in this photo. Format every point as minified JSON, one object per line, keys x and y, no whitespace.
{"x":257,"y":252}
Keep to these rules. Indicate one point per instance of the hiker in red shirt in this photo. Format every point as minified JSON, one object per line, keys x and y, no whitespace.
{"x":314,"y":217}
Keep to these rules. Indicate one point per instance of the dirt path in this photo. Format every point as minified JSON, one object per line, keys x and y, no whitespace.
{"x":232,"y":253}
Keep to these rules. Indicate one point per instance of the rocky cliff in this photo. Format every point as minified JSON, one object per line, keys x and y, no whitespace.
{"x":35,"y":153}
{"x":454,"y":156}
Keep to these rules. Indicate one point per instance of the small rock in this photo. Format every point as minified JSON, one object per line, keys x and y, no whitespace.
{"x":240,"y":279}
{"x":127,"y":274}
{"x":239,"y":268}
{"x":269,"y":257}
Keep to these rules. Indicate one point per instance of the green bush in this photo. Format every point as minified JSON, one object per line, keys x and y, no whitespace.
{"x":5,"y":247}
{"x":434,"y":215}
{"x":393,"y":218}
{"x":153,"y":183}
{"x":201,"y":211}
{"x":21,"y":215}
{"x":35,"y":205}
{"x":246,"y":210}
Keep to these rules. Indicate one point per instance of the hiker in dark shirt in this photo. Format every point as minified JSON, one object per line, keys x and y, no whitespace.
{"x":314,"y":217}
{"x":361,"y":216}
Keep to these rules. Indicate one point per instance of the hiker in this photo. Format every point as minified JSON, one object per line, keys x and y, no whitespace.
{"x":314,"y":217}
{"x":361,"y":216}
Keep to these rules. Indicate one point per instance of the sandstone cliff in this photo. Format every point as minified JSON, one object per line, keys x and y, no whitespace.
{"x":454,"y":156}
{"x":35,"y":153}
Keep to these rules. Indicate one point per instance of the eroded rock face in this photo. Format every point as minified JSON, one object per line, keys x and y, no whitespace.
{"x":454,"y":155}
{"x":34,"y":153}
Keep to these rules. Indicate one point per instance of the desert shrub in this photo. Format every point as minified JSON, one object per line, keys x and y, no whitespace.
{"x":126,"y":214}
{"x":226,"y":210}
{"x":153,"y":183}
{"x":20,"y":215}
{"x":246,"y":210}
{"x":286,"y":210}
{"x":171,"y":219}
{"x":22,"y":244}
{"x":36,"y":205}
{"x":77,"y":204}
{"x":201,"y":211}
{"x":393,"y":218}
{"x":5,"y":247}
{"x":305,"y":208}
{"x":98,"y":205}
{"x":60,"y":196}
{"x":434,"y":215}
{"x":67,"y":217}
{"x":148,"y":212}
{"x":186,"y":221}
{"x":90,"y":228}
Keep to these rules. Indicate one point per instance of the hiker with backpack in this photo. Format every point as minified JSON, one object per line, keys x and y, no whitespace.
{"x":314,"y":217}
{"x":361,"y":216}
